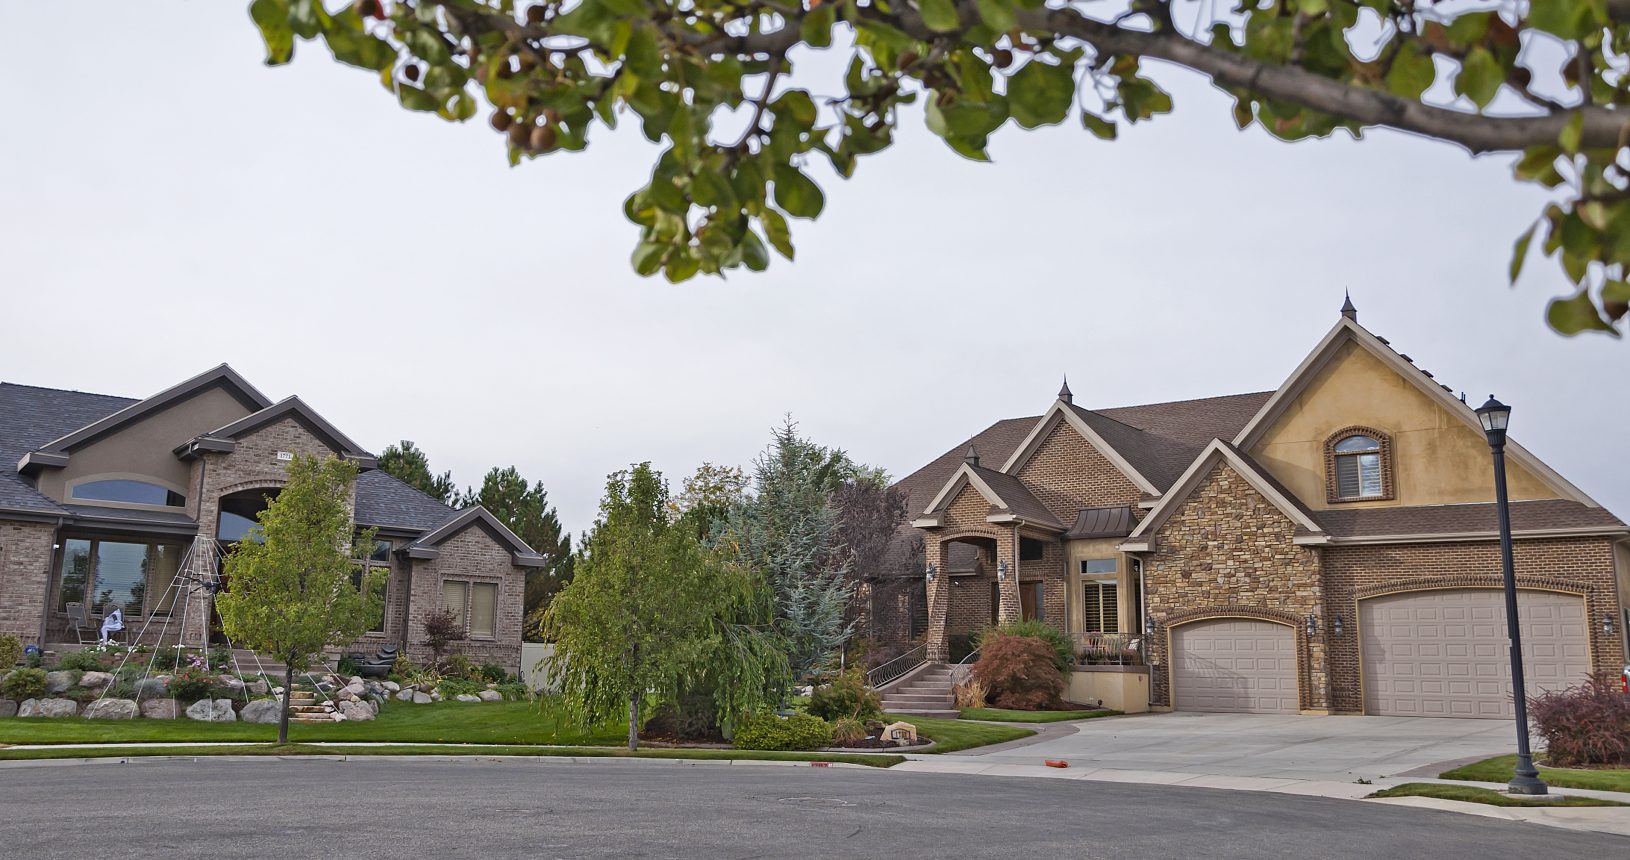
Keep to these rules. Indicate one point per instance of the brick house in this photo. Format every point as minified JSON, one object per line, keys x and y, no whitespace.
{"x":1328,"y":547}
{"x":111,"y":502}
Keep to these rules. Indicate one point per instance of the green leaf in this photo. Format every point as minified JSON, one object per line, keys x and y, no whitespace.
{"x":1569,"y":19}
{"x":1412,"y":71}
{"x":1577,"y":314}
{"x":1102,"y":128}
{"x":797,"y":194}
{"x":753,"y":253}
{"x":1520,"y":253}
{"x":1538,"y":164}
{"x":1616,"y":292}
{"x":794,"y":106}
{"x":998,"y":14}
{"x":648,"y":257}
{"x":816,"y":29}
{"x":644,"y":57}
{"x":775,"y":229}
{"x":939,"y":15}
{"x":1040,"y":94}
{"x":272,"y":17}
{"x":1572,"y":133}
{"x":1479,"y":77}
{"x":682,"y":266}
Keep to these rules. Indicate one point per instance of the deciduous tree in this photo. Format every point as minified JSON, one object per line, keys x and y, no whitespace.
{"x":1546,"y":79}
{"x":292,"y":593}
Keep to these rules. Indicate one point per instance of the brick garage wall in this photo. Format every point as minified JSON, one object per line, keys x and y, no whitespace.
{"x":1228,"y":552}
{"x":472,"y":555}
{"x":25,"y":575}
{"x":1583,"y":565}
{"x":1067,"y":474}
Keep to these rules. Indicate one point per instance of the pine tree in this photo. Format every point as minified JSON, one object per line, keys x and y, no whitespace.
{"x":411,"y":466}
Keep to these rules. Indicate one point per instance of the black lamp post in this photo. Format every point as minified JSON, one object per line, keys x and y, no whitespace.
{"x":1494,"y":416}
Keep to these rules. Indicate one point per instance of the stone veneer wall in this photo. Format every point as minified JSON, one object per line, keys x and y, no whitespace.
{"x":472,"y":555}
{"x":25,"y":575}
{"x":1581,"y":565}
{"x":1228,"y":552}
{"x":1067,"y":474}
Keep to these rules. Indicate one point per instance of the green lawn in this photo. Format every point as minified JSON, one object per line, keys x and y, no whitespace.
{"x":1002,"y":715}
{"x":309,"y":749}
{"x":1473,"y":794}
{"x":953,"y":735}
{"x":445,"y":722}
{"x":1498,"y":769}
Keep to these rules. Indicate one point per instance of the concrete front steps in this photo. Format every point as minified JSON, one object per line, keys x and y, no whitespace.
{"x":925,"y":692}
{"x":303,"y":708}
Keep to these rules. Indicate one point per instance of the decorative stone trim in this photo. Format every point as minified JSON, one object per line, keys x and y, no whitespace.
{"x":260,"y":484}
{"x":1205,"y":613}
{"x":1332,"y":488}
{"x":1469,"y":580}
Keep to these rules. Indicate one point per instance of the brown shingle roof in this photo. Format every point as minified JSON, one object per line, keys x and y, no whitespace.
{"x":1459,"y":519}
{"x":1020,"y":501}
{"x":1173,"y":434}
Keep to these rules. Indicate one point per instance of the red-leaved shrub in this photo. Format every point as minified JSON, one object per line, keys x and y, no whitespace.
{"x":1587,"y":724}
{"x":1020,"y":673}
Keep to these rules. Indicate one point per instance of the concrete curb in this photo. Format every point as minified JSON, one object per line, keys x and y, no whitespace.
{"x":445,"y":759}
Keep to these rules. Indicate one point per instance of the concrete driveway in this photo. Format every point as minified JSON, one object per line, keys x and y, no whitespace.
{"x":1337,"y":749}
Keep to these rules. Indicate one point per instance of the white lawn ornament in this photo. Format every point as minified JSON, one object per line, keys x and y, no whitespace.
{"x":113,"y":623}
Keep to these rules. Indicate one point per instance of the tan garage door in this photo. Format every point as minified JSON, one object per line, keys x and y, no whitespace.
{"x":1234,"y":665}
{"x":1444,"y":653}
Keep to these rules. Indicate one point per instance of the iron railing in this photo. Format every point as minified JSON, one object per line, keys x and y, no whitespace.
{"x":964,"y":668}
{"x":1115,"y":649}
{"x":894,"y":669}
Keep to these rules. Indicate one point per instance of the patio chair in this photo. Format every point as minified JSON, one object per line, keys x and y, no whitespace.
{"x":79,"y":618}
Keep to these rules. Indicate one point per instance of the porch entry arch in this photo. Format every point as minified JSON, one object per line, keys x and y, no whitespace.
{"x":1235,"y":662}
{"x":1443,"y":650}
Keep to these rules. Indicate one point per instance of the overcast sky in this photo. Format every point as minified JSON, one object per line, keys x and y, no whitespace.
{"x":168,"y":203}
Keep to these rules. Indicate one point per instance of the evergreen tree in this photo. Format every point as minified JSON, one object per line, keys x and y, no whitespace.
{"x":409,"y":465}
{"x":526,"y":510}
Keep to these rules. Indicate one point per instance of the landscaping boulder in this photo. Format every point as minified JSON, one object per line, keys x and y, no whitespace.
{"x":161,"y":709}
{"x":392,"y":687}
{"x":467,"y":697}
{"x":257,"y":687}
{"x":435,"y":695}
{"x":8,"y":708}
{"x":56,"y":682}
{"x":262,"y":711}
{"x":48,"y":708}
{"x":112,"y":709}
{"x":95,"y":680}
{"x":153,"y":688}
{"x":421,"y":699}
{"x":490,"y":696}
{"x":212,"y":711}
{"x":356,"y":687}
{"x":357,"y":711}
{"x":405,"y":695}
{"x":228,"y":682}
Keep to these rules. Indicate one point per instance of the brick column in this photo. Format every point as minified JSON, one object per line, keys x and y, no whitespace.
{"x":1009,"y":608}
{"x":939,"y":598}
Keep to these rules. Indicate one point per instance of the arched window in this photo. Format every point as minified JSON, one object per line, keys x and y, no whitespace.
{"x":1360,"y":467}
{"x":129,"y":492}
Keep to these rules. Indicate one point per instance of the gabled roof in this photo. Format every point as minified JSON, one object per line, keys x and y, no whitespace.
{"x":385,"y":501}
{"x":1347,"y":330}
{"x":30,"y":417}
{"x":1308,"y":529}
{"x":223,"y":439}
{"x":425,"y":546}
{"x":52,"y":453}
{"x":1009,"y":498}
{"x":1096,"y":429}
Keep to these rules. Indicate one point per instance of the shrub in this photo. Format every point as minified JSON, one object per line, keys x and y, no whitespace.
{"x":492,"y":673}
{"x":191,"y":684}
{"x":24,"y":684}
{"x":348,"y":666}
{"x":451,"y":687}
{"x":514,"y":691}
{"x":84,"y":661}
{"x":220,"y":659}
{"x":1020,"y":672}
{"x":848,"y":731}
{"x":971,"y":693}
{"x":770,"y":732}
{"x":1063,"y":648}
{"x":961,"y":645}
{"x":847,"y":696}
{"x":11,"y":650}
{"x":691,"y":717}
{"x":440,"y":628}
{"x":458,"y":666}
{"x":1584,"y":725}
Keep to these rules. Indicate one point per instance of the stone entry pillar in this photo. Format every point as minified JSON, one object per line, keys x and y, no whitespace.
{"x":939,"y":597}
{"x":1009,"y":607}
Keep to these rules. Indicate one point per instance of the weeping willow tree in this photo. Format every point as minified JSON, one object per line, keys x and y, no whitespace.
{"x":652,"y":616}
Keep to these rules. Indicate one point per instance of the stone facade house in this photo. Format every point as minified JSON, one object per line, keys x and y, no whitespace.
{"x":1327,"y":547}
{"x":108,"y":502}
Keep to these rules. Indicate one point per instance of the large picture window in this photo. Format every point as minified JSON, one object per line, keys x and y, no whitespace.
{"x":136,"y":578}
{"x":380,"y":591}
{"x":129,"y":492}
{"x":474,"y":604}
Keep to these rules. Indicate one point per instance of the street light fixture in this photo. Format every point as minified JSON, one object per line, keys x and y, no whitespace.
{"x":1495,"y":416}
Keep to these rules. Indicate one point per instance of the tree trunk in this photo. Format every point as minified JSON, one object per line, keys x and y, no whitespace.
{"x":634,"y":721}
{"x":288,"y":692}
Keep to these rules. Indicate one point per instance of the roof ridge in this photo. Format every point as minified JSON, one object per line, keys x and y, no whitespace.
{"x":1094,"y":412}
{"x":1187,"y":400}
{"x":67,"y":390}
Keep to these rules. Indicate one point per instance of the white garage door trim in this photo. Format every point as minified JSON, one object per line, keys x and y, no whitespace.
{"x":1443,"y":652}
{"x":1234,"y":665}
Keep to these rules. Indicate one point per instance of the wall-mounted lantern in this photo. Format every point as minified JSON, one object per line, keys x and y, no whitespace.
{"x":930,"y":571}
{"x":1336,"y":626}
{"x":1312,"y":622}
{"x":1001,"y":571}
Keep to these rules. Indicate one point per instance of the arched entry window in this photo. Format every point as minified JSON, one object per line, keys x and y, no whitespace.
{"x":239,"y":513}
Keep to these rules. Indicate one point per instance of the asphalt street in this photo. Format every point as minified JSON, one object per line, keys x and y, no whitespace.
{"x":544,"y":809}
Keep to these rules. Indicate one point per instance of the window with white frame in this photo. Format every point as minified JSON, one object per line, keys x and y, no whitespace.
{"x":1358,"y":468}
{"x":1100,"y":596}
